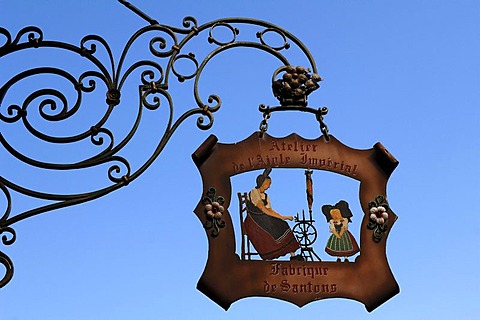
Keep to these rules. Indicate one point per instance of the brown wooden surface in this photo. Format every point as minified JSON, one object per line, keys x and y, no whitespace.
{"x":227,"y":278}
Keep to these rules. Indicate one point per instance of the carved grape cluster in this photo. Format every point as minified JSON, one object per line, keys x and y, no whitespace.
{"x":378,"y":210}
{"x":214,"y":211}
{"x":296,"y":84}
{"x":379,"y":214}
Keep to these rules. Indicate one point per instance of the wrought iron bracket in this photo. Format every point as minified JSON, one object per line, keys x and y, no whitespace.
{"x":167,"y":46}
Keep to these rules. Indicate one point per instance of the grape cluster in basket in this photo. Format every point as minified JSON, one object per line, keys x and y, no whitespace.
{"x":295,"y":85}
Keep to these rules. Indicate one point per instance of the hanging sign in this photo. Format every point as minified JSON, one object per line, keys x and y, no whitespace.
{"x":277,"y":258}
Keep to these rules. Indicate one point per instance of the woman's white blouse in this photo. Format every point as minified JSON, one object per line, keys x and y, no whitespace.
{"x":256,"y":196}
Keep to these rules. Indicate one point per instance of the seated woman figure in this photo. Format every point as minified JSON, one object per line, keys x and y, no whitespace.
{"x":267,"y":230}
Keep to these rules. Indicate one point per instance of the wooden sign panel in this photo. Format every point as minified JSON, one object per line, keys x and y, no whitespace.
{"x":229,"y":277}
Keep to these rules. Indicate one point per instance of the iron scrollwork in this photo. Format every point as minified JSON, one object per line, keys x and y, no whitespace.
{"x":167,"y":46}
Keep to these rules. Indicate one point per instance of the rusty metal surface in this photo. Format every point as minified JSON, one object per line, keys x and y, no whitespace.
{"x":227,"y":278}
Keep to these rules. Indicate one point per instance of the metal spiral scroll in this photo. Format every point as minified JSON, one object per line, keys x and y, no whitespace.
{"x":52,"y":106}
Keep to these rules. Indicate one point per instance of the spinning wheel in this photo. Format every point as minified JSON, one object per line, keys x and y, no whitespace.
{"x":305,"y":232}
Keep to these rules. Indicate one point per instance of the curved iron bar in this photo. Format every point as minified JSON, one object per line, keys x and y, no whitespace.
{"x":154,"y":82}
{"x":317,"y":112}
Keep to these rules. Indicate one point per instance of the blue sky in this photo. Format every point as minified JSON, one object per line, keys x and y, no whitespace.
{"x":405,"y":73}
